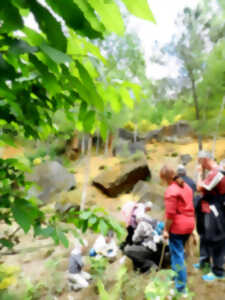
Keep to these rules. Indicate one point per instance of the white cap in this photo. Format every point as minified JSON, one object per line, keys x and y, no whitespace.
{"x":205,"y":154}
{"x":148,"y":204}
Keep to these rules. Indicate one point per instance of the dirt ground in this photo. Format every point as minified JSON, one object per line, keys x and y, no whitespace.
{"x":32,"y":263}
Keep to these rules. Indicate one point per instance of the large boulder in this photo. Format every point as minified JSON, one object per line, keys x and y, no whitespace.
{"x":128,"y":135}
{"x":125,"y":148}
{"x":122,"y":177}
{"x":180,"y":129}
{"x":154,"y":135}
{"x":51,"y":178}
{"x":142,"y":191}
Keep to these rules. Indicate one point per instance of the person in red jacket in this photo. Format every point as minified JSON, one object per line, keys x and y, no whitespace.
{"x":179,"y":221}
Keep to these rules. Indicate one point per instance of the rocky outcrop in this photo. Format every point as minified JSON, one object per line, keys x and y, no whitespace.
{"x":125,"y":148}
{"x":142,"y":191}
{"x":185,"y":159}
{"x":51,"y":178}
{"x":122,"y":177}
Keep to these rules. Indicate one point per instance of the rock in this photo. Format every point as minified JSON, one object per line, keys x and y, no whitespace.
{"x":122,"y":177}
{"x":185,"y":159}
{"x":124,"y":148}
{"x":128,"y":135}
{"x":52,"y":178}
{"x":142,"y":191}
{"x":171,"y":139}
{"x":67,"y":200}
{"x":154,"y":135}
{"x":180,"y":129}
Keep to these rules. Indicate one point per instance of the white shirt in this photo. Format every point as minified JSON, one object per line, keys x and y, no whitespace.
{"x":106,"y":249}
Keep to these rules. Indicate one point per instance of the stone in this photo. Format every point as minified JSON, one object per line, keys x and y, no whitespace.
{"x":122,"y":177}
{"x":125,"y":148}
{"x":128,"y":135}
{"x":142,"y":191}
{"x":68,"y":200}
{"x":51,"y":178}
{"x":153,"y":136}
{"x":185,"y":159}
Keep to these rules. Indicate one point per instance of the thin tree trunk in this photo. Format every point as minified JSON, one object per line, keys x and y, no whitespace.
{"x":106,"y":145}
{"x":98,"y":142}
{"x":86,"y":174}
{"x":135,"y":133}
{"x":197,"y":111}
{"x":83,"y":144}
{"x":217,"y":126}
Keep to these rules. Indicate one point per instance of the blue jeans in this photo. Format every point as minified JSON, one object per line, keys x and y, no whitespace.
{"x":176,"y":245}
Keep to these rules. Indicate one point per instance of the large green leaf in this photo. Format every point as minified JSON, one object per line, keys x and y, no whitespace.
{"x":140,"y":8}
{"x":110,"y":15}
{"x":48,"y":25}
{"x":56,"y":55}
{"x":126,"y":97}
{"x":90,"y":15}
{"x":88,"y":82}
{"x":10,"y":16}
{"x":74,"y":17}
{"x":89,"y":121}
{"x":24,"y":214}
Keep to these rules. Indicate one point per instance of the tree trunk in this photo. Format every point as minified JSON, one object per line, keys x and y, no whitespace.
{"x":83,"y":144}
{"x":86,"y":174}
{"x":98,"y":142}
{"x":196,"y":104}
{"x":106,"y":145}
{"x":135,"y":133}
{"x":217,"y":126}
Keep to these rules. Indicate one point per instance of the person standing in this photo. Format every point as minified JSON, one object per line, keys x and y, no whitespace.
{"x":213,"y":212}
{"x":179,"y":222}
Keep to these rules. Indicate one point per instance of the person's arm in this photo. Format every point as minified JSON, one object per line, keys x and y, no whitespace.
{"x":170,"y":212}
{"x":139,"y":233}
{"x":166,"y":230}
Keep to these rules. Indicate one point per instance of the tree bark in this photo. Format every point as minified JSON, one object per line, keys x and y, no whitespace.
{"x":86,"y":174}
{"x":196,"y":104}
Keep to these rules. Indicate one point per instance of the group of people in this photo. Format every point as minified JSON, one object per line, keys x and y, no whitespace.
{"x":188,"y":206}
{"x":201,"y":206}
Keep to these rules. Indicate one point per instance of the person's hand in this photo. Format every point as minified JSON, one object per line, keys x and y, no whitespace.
{"x":199,"y":169}
{"x":165,"y":235}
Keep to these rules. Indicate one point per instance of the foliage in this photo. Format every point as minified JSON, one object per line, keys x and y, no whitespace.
{"x":7,"y":276}
{"x":115,"y":291}
{"x":98,"y":266}
{"x":161,"y":287}
{"x":44,"y":71}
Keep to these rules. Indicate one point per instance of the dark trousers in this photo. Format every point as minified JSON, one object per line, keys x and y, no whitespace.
{"x":204,"y":251}
{"x":217,"y":251}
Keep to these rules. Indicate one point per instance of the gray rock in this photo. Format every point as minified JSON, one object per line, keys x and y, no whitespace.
{"x":128,"y":135}
{"x":51,"y":178}
{"x":154,"y":135}
{"x":122,"y":177}
{"x":125,"y":148}
{"x":185,"y":159}
{"x":142,"y":191}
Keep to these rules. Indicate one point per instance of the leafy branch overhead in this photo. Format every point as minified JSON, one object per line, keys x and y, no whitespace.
{"x":47,"y":70}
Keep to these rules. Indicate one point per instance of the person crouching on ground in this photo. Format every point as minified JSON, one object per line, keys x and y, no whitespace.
{"x":179,"y":222}
{"x":77,"y":278}
{"x":105,"y":247}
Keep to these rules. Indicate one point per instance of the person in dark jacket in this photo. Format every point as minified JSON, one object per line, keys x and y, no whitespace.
{"x":183,"y":174}
{"x":212,"y":212}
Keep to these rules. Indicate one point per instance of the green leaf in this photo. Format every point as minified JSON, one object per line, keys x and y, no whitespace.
{"x":24,"y":214}
{"x":33,"y":37}
{"x":56,"y":55}
{"x":10,"y":16}
{"x":126,"y":97}
{"x":89,"y":121}
{"x":140,"y":9}
{"x":63,"y":239}
{"x":103,"y":227}
{"x":6,"y":243}
{"x":74,"y":17}
{"x":89,"y":84}
{"x":110,"y":15}
{"x":48,"y":25}
{"x":90,"y":15}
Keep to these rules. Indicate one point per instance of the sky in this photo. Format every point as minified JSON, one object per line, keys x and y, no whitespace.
{"x":165,"y":12}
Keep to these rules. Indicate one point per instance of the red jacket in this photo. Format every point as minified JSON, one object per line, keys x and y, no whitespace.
{"x":179,"y":208}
